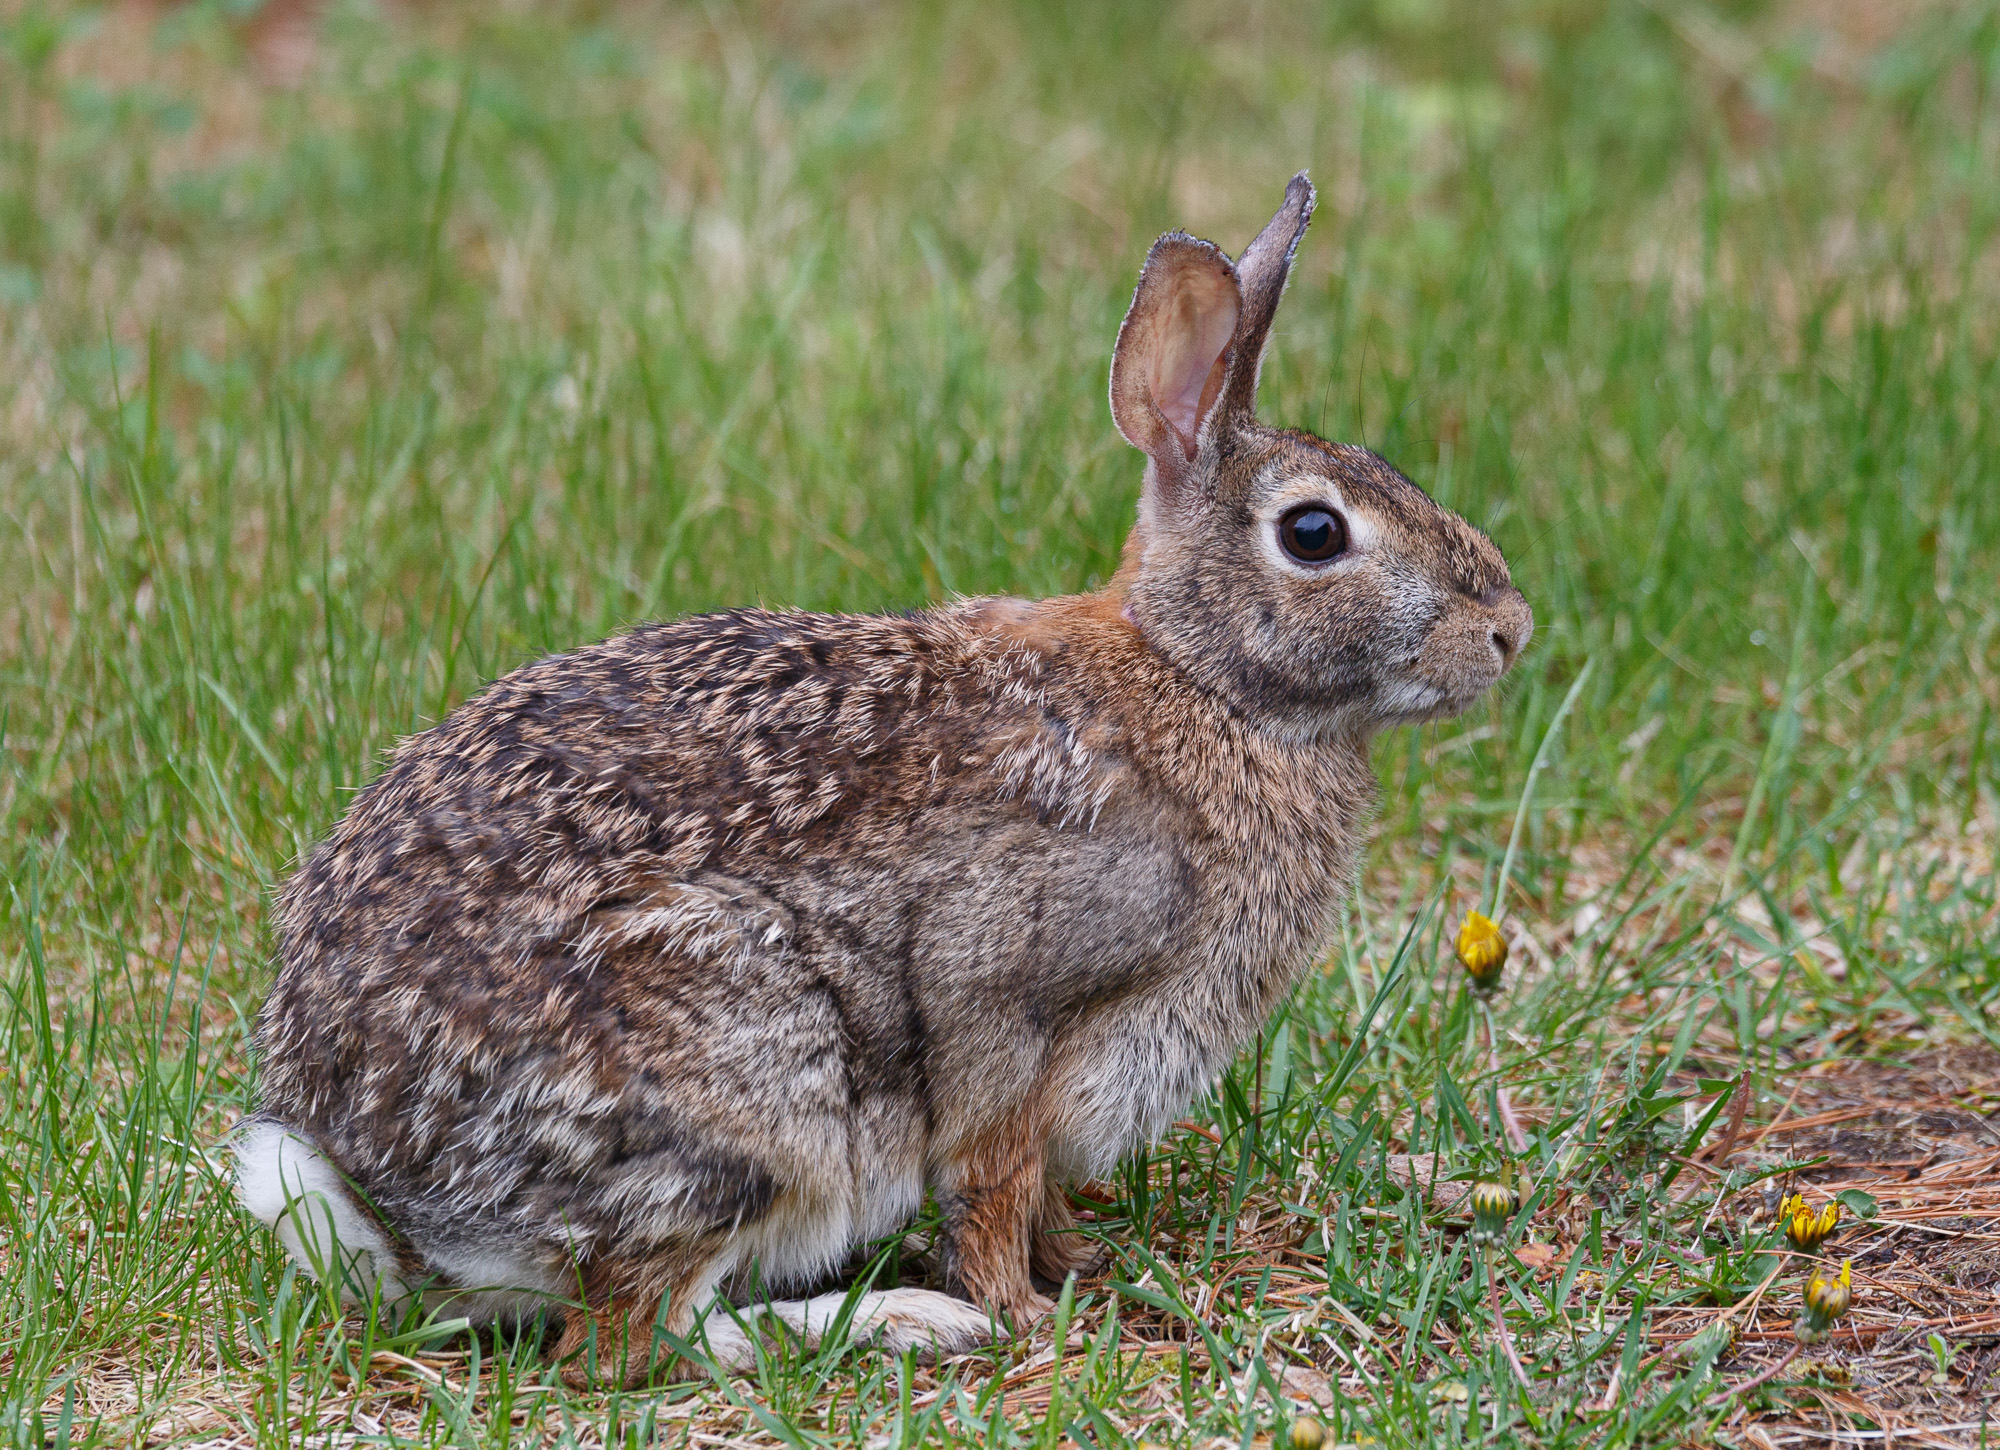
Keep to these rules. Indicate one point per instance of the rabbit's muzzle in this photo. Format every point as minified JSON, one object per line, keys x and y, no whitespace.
{"x":1473,"y":644}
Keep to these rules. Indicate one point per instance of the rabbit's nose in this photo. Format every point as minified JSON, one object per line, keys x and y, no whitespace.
{"x":1513,"y":622}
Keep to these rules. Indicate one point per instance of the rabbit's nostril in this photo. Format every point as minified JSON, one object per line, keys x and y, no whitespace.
{"x":1506,"y":647}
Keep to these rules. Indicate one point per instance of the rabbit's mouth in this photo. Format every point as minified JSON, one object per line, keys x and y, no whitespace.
{"x":1433,"y":693}
{"x":1418,"y":702}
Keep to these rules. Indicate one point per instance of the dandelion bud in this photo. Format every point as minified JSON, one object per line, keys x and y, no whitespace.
{"x":1805,"y":1230}
{"x":1307,"y":1433}
{"x":1482,"y":951}
{"x":1493,"y":1204}
{"x":1825,"y":1301}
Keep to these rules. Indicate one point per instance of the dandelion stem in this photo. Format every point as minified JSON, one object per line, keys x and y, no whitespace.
{"x":1510,"y":1122}
{"x":1769,"y":1373}
{"x":1500,"y":1322}
{"x":1516,"y":1135}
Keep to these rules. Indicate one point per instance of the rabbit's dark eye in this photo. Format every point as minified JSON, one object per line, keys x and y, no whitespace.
{"x":1312,"y":534}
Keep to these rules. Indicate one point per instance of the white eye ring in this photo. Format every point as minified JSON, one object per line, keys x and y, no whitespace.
{"x":1283,"y":492}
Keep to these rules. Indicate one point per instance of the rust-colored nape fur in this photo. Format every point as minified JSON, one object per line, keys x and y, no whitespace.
{"x":662,"y":974}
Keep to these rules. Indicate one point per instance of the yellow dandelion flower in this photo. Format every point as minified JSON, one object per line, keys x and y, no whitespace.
{"x":1825,"y":1301}
{"x":1482,"y":951}
{"x":1806,"y":1230}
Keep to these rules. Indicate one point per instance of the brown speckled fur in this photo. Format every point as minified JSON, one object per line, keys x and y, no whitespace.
{"x":726,"y":939}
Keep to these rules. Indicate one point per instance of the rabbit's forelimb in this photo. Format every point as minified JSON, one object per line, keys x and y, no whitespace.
{"x":993,"y":1198}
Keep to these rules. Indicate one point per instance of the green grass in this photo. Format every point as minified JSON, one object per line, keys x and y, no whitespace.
{"x":512,"y":326}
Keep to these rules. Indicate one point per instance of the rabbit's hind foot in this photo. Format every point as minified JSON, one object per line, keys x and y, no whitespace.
{"x":937,"y":1326}
{"x":607,"y":1345}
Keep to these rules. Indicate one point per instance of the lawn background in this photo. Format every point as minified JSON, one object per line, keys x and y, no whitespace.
{"x":347,"y":363}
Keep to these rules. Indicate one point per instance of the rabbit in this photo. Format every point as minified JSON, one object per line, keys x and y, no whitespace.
{"x":661,"y":975}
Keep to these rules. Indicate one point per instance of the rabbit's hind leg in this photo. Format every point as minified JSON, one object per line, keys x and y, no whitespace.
{"x":612,"y":1342}
{"x":611,"y":1339}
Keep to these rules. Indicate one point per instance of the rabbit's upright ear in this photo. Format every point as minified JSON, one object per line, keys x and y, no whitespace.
{"x":1260,"y":273}
{"x":1193,"y":342}
{"x":1173,"y":352}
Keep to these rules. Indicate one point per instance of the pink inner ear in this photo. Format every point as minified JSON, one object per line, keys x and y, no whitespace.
{"x":1197,"y":329}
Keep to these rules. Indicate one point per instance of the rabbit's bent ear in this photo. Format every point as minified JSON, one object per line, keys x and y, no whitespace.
{"x":1260,"y":273}
{"x":1173,"y":351}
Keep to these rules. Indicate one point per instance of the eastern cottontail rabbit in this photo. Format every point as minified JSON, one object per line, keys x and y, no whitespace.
{"x":718,"y":943}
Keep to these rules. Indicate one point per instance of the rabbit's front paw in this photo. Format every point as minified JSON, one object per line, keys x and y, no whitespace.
{"x":1056,"y":1256}
{"x":1025,"y":1310}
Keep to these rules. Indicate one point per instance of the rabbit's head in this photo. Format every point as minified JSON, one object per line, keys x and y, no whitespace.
{"x":1308,"y":582}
